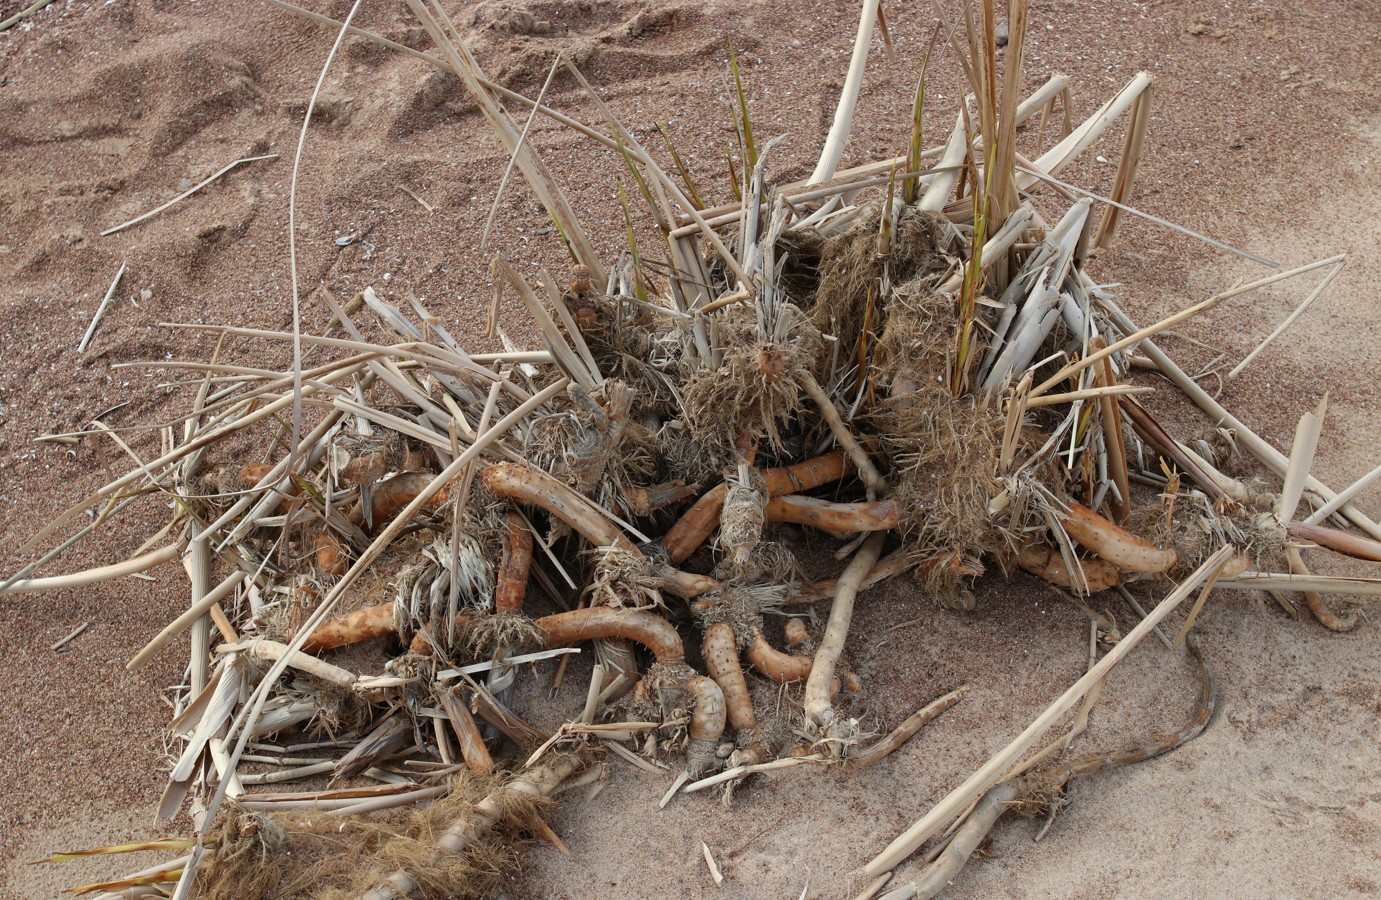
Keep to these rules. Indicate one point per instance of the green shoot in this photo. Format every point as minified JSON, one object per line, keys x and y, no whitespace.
{"x":973,"y":281}
{"x":912,"y":189}
{"x":733,"y":175}
{"x":638,"y":289}
{"x":750,"y":149}
{"x":638,"y":177}
{"x":691,"y":192}
{"x":885,"y":226}
{"x":561,"y":233}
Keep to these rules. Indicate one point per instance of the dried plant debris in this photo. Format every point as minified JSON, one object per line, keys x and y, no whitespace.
{"x":907,"y":358}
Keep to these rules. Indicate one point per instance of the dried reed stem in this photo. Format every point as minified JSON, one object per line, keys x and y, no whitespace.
{"x":198,"y":563}
{"x":100,"y":310}
{"x":185,"y":194}
{"x":534,"y":170}
{"x":1092,"y":128}
{"x":1171,"y":321}
{"x":282,"y":655}
{"x":1336,"y":584}
{"x":97,"y":575}
{"x":1290,"y":319}
{"x":472,"y":748}
{"x":1343,"y":496}
{"x":1337,"y":541}
{"x":1302,"y":451}
{"x":838,"y":135}
{"x":1132,"y":147}
{"x":1110,"y":414}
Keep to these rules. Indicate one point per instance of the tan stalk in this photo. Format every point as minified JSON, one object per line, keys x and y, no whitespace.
{"x":100,"y":310}
{"x":197,"y":561}
{"x":472,"y":748}
{"x":1139,"y":119}
{"x":293,"y":178}
{"x":568,"y":322}
{"x":513,"y":157}
{"x":1270,"y":456}
{"x":99,"y":574}
{"x":185,"y":194}
{"x":1040,"y":175}
{"x":738,"y":772}
{"x":569,"y":361}
{"x":1056,"y":87}
{"x":866,"y":174}
{"x":284,"y":656}
{"x":1004,"y":199}
{"x":995,"y":248}
{"x":1301,"y":461}
{"x":1198,"y":606}
{"x":1016,"y":416}
{"x":1111,"y":417}
{"x":1290,"y":319}
{"x":1341,"y":499}
{"x":1333,"y":584}
{"x":1112,"y":390}
{"x":1337,"y":541}
{"x":664,"y":182}
{"x":497,"y":88}
{"x":838,"y":135}
{"x":1092,"y":128}
{"x":956,"y":149}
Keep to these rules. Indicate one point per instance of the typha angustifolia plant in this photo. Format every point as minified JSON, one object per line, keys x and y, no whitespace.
{"x":903,"y":356}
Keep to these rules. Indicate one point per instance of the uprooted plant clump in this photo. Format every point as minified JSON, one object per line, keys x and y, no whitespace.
{"x":908,"y":357}
{"x":256,"y":857}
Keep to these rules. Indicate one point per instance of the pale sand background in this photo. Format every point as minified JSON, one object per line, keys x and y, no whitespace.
{"x":1266,"y":129}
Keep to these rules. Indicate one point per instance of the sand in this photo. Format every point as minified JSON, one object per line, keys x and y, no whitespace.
{"x":1266,"y":126}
